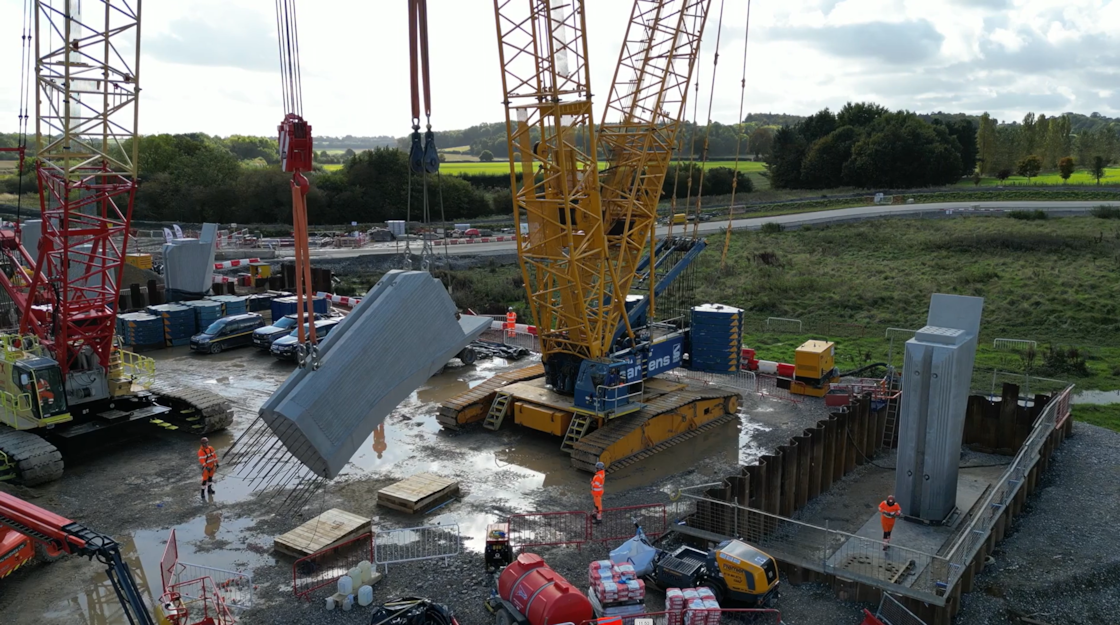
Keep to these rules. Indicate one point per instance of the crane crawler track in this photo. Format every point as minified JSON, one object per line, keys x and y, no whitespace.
{"x":28,"y":458}
{"x":194,"y":409}
{"x":613,"y":443}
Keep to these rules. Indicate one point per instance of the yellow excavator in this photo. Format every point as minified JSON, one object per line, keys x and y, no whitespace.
{"x":590,"y":235}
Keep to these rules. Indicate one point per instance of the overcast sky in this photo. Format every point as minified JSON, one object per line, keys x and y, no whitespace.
{"x":212,"y":66}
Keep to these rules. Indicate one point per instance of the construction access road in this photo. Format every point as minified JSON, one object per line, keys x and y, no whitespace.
{"x":790,"y":221}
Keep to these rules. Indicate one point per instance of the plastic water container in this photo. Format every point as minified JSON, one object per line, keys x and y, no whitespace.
{"x":345,"y":585}
{"x":356,"y":575}
{"x":330,"y":603}
{"x":347,"y":603}
{"x":365,"y":565}
{"x":367,"y":577}
{"x":365,"y":596}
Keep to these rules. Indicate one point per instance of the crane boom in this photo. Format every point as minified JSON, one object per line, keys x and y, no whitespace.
{"x":587,"y":229}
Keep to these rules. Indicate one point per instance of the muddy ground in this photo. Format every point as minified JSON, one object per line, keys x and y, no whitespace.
{"x":137,"y":487}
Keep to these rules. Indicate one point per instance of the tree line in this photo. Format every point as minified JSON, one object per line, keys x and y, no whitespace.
{"x":1015,"y":147}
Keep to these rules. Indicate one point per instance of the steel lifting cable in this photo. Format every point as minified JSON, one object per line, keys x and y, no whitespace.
{"x":738,"y":142}
{"x":423,"y":157}
{"x":692,"y":143}
{"x":24,"y":99}
{"x":708,"y":129}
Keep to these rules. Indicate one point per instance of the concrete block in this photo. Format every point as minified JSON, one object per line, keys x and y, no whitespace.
{"x":402,"y":333}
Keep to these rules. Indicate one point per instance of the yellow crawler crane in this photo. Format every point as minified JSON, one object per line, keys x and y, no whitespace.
{"x":590,"y":232}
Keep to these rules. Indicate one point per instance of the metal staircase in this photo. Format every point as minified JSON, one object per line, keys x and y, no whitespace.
{"x":498,"y":411}
{"x":576,"y":430}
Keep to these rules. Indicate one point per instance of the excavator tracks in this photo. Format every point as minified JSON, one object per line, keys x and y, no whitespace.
{"x":473,"y":405}
{"x":663,"y":422}
{"x":28,"y":458}
{"x":194,"y":410}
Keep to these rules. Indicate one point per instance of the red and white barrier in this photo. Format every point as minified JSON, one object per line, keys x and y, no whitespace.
{"x":223,"y":279}
{"x":339,"y":299}
{"x":474,"y":240}
{"x":230,"y":264}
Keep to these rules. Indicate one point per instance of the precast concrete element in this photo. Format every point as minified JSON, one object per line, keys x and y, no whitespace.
{"x":936,"y":377}
{"x":402,"y":333}
{"x":188,"y":264}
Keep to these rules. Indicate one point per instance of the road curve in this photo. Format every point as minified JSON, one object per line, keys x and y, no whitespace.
{"x":795,"y":220}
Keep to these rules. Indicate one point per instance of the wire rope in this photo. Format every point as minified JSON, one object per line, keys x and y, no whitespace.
{"x":738,"y":142}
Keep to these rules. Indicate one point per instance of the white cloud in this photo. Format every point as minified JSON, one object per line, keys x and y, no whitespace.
{"x":211,"y":65}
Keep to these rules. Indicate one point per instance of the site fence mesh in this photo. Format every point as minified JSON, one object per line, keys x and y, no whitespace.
{"x":234,"y":587}
{"x":976,"y":533}
{"x":759,"y":616}
{"x":891,"y":612}
{"x":576,"y":527}
{"x":901,"y":570}
{"x":410,"y":544}
{"x":325,"y":567}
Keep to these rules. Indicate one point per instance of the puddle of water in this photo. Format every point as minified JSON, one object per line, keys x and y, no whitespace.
{"x":1097,"y":397}
{"x":208,"y":540}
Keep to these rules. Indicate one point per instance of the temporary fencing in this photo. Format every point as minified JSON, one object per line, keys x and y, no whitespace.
{"x":891,"y":612}
{"x":235,"y":588}
{"x":758,"y":616}
{"x":415,"y":543}
{"x":326,"y":566}
{"x":576,"y":527}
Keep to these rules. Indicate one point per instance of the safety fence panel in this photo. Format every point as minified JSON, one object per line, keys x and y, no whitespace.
{"x":416,"y":543}
{"x":234,"y":587}
{"x":200,"y":601}
{"x":619,"y":523}
{"x":168,"y":562}
{"x":976,"y":533}
{"x":326,"y":566}
{"x":904,"y":571}
{"x":757,"y":616}
{"x":891,"y":612}
{"x":768,"y":387}
{"x":540,"y":529}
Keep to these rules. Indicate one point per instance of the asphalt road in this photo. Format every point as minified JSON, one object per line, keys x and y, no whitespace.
{"x":836,"y":216}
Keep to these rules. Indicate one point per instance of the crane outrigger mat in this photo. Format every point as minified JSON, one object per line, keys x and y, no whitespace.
{"x":403,"y":332}
{"x":330,"y":528}
{"x":418,"y":493}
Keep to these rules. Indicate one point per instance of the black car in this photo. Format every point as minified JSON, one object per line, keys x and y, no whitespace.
{"x":227,"y":332}
{"x":284,"y":347}
{"x":264,"y":337}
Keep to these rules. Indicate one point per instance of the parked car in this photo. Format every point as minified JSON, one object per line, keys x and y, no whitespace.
{"x":263,"y":337}
{"x":226,"y":333}
{"x":284,"y":348}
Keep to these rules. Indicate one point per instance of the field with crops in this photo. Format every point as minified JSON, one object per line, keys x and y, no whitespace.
{"x":1080,"y":177}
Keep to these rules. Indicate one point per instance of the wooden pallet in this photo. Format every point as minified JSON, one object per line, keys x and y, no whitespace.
{"x":418,"y":493}
{"x":330,"y":528}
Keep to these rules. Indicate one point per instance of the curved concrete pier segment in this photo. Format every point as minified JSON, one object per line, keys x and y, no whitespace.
{"x":402,"y":333}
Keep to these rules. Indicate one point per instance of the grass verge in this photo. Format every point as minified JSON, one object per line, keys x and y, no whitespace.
{"x":1105,"y":416}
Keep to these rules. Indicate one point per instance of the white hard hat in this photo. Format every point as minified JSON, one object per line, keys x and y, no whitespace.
{"x":599,"y":466}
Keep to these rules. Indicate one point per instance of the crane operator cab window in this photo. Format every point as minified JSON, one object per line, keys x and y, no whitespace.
{"x":44,"y":384}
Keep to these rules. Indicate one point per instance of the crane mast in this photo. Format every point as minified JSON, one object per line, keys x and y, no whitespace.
{"x":588,"y":229}
{"x":87,"y":65}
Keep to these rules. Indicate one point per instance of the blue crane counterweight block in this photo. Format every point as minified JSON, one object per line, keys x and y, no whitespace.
{"x":403,"y":332}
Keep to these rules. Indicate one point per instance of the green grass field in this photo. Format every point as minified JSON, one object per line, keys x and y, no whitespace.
{"x":1106,"y":416}
{"x":1080,"y":177}
{"x":333,"y":166}
{"x":502,"y":167}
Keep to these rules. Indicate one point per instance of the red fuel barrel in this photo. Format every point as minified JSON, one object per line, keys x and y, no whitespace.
{"x":541,"y":594}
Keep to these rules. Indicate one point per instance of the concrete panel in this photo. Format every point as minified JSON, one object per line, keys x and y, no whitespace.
{"x":402,"y":333}
{"x":937,"y":375}
{"x":188,"y":264}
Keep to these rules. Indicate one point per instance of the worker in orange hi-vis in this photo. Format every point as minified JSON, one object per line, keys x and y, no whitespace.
{"x":889,"y":511}
{"x":597,"y":490}
{"x":511,"y":322}
{"x":45,"y":393}
{"x":208,"y":458}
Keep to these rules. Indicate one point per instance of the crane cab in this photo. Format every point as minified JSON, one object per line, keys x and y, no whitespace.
{"x":32,"y":393}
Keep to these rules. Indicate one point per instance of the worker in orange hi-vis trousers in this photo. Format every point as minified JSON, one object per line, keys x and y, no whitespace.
{"x":889,"y":511}
{"x":597,"y":490}
{"x":208,"y":458}
{"x":511,"y":322}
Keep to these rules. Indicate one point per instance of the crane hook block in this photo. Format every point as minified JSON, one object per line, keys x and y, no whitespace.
{"x":431,"y":155}
{"x":296,"y":151}
{"x":416,"y":153}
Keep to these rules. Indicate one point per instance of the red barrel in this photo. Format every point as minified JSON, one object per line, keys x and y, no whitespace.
{"x":541,"y":594}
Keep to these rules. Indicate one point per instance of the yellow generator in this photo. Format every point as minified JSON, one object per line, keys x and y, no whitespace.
{"x":814,"y":369}
{"x":738,"y":574}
